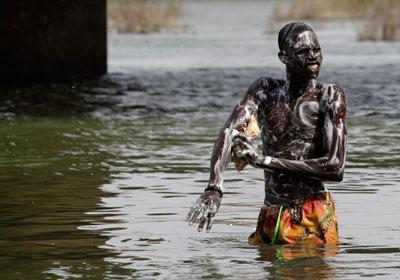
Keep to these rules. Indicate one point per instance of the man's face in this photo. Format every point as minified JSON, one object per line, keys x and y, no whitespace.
{"x":304,"y":57}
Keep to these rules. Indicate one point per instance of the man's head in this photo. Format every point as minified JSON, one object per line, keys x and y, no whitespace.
{"x":299,"y":49}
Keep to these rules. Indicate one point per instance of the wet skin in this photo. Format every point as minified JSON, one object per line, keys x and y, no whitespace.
{"x":303,"y":131}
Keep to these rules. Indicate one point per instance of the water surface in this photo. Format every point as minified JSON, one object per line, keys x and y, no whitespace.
{"x":97,"y":176}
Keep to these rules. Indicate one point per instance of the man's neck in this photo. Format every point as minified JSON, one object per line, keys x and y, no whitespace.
{"x":297,"y":85}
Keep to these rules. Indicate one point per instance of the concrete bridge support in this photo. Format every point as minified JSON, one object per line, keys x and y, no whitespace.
{"x":52,"y":39}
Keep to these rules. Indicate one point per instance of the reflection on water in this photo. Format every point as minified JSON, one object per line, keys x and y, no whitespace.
{"x":101,"y":187}
{"x":298,"y":261}
{"x":48,"y":173}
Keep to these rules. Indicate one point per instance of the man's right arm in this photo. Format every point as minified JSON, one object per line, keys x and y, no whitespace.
{"x":221,"y":155}
{"x":205,"y":208}
{"x":237,"y":123}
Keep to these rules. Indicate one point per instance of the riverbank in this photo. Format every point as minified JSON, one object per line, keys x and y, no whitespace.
{"x":238,"y":34}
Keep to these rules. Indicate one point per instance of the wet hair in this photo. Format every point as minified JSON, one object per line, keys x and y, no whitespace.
{"x":288,"y":32}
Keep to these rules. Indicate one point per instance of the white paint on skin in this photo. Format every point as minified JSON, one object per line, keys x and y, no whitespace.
{"x":307,"y":111}
{"x":267,"y":160}
{"x":225,"y":156}
{"x":305,"y":38}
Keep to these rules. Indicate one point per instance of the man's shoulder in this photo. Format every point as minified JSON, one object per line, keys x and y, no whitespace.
{"x":265,"y":84}
{"x":331,"y":89}
{"x":332,"y":93}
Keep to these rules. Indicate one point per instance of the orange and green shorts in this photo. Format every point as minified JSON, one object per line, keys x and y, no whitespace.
{"x":313,"y":221}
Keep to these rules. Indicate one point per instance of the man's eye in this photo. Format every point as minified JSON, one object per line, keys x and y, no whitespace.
{"x":303,"y":51}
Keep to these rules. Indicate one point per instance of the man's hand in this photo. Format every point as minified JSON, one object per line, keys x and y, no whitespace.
{"x":245,"y":148}
{"x":204,"y":209}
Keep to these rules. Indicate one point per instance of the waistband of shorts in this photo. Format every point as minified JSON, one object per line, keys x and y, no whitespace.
{"x":324,"y":195}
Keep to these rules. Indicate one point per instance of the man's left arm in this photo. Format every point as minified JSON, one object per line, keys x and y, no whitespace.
{"x":329,"y":167}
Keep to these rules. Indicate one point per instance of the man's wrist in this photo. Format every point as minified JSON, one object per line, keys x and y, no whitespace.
{"x":267,"y":160}
{"x":262,"y":161}
{"x":214,"y":188}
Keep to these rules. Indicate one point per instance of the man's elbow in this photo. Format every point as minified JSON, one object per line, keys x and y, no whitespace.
{"x":337,"y":177}
{"x":336,"y":171}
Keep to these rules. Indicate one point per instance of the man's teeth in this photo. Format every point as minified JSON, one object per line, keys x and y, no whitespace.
{"x":313,"y":67}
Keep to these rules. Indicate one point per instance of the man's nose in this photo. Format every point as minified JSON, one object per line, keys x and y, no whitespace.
{"x":312,"y":54}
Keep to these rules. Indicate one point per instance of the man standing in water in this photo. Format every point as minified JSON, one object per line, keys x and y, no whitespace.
{"x":304,"y":136}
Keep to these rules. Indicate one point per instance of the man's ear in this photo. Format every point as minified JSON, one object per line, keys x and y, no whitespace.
{"x":282,"y":57}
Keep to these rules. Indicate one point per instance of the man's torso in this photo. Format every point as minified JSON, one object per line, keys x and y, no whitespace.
{"x":292,"y":128}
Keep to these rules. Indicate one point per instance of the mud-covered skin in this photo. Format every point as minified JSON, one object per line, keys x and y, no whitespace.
{"x":303,"y":144}
{"x":302,"y":124}
{"x":204,"y":209}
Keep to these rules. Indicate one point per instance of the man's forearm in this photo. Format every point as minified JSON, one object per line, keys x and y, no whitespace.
{"x":237,"y":123}
{"x":221,"y":156}
{"x":324,"y":169}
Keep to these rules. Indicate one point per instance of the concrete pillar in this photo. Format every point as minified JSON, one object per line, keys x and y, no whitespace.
{"x":52,"y":39}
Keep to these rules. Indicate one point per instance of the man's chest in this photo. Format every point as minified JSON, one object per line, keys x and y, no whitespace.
{"x":291,"y":127}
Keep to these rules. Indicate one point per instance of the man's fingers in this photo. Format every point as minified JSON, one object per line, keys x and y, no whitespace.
{"x":201,"y":224}
{"x":239,"y":146}
{"x":202,"y":212}
{"x":189,"y":215}
{"x":236,"y":145}
{"x":191,"y":212}
{"x":243,"y":138}
{"x":210,"y":222}
{"x":204,"y":218}
{"x":242,"y":153}
{"x":196,"y":213}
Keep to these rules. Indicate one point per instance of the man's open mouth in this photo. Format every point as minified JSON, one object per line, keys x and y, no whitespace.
{"x":313,"y":67}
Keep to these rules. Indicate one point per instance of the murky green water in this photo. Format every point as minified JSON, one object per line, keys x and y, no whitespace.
{"x":100,"y":188}
{"x":96,"y":177}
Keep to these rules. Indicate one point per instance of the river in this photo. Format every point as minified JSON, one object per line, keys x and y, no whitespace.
{"x":97,"y":175}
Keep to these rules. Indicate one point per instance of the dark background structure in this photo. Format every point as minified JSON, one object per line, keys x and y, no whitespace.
{"x":52,"y":39}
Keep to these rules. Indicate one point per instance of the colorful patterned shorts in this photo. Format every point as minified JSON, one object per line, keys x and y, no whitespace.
{"x":313,"y":221}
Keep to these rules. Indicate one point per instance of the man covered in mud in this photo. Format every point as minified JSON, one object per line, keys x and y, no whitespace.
{"x":303,"y":134}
